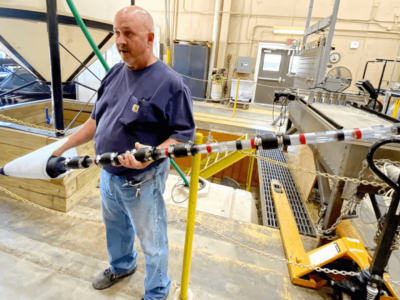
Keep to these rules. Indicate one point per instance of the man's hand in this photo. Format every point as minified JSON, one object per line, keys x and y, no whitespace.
{"x":131,"y":162}
{"x":58,"y":152}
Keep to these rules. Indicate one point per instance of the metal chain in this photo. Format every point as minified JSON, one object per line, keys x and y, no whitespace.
{"x":47,"y":209}
{"x":391,"y":281}
{"x":270,"y":256}
{"x":177,"y":221}
{"x":326,"y":175}
{"x":277,"y":258}
{"x":321,"y":232}
{"x":15,"y":196}
{"x":31,"y":125}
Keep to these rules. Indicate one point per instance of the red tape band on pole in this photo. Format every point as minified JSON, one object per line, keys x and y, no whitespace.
{"x":252,"y":143}
{"x":302,"y":139}
{"x":208,"y":148}
{"x":166,"y":152}
{"x":358,"y":133}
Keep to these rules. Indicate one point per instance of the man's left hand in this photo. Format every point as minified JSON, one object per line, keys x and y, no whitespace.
{"x":131,"y":162}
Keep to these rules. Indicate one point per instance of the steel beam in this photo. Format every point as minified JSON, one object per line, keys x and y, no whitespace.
{"x":56,"y":84}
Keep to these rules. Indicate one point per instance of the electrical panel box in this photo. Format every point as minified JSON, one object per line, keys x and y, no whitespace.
{"x":245,"y":63}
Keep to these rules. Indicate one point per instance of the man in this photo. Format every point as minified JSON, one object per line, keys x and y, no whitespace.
{"x":140,"y":101}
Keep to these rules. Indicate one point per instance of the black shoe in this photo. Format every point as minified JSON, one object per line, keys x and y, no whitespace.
{"x":107,"y":278}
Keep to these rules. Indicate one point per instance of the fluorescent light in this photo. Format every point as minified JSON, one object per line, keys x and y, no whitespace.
{"x":288,"y":31}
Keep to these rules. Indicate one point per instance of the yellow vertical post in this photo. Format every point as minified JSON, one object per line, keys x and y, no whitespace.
{"x":250,"y":173}
{"x":187,"y":252}
{"x":396,"y":108}
{"x":168,"y":57}
{"x":237,"y":91}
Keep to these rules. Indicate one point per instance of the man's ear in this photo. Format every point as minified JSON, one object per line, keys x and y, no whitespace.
{"x":151,"y":37}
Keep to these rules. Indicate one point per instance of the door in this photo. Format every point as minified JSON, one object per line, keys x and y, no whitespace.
{"x":191,"y":61}
{"x":274,"y":65}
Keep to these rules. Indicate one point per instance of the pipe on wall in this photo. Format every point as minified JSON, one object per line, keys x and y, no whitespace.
{"x":219,"y":4}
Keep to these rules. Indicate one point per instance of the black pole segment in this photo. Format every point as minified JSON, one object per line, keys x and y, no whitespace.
{"x":375,"y":206}
{"x":380,"y":84}
{"x":56,"y":84}
{"x":365,"y":69}
{"x":87,"y":60}
{"x":132,"y":2}
{"x":19,"y":88}
{"x":21,"y":59}
{"x":380,"y":80}
{"x":377,"y":113}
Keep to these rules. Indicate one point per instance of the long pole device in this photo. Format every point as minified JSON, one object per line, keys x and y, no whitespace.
{"x":59,"y":165}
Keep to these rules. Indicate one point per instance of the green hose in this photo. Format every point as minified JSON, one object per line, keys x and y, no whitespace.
{"x":179,"y":171}
{"x":104,"y":63}
{"x":87,"y":34}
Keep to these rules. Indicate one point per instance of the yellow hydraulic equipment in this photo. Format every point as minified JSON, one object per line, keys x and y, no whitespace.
{"x":347,"y":247}
{"x":216,"y":162}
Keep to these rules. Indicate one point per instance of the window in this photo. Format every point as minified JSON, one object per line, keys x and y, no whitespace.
{"x":272,"y":62}
{"x":294,"y":63}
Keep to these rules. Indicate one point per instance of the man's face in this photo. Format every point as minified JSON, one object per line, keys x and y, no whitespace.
{"x":131,"y":39}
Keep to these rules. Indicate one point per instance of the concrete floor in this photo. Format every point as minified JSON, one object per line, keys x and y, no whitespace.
{"x":47,"y":256}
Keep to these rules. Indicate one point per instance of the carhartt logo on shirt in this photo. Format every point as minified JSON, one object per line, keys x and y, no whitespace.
{"x":135,"y":108}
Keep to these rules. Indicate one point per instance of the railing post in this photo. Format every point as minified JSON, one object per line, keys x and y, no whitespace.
{"x":190,"y":223}
{"x":236,"y":95}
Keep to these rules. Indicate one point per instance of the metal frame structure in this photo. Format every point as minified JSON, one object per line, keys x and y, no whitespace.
{"x":61,"y":20}
{"x":388,"y":93}
{"x":317,"y":55}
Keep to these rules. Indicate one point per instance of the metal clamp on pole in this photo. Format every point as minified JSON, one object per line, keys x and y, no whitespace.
{"x":187,"y":252}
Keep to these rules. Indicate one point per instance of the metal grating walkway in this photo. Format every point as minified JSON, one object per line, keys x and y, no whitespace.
{"x":267,"y":172}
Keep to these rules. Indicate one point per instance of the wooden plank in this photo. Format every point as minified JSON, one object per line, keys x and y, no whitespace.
{"x":35,"y":119}
{"x":64,"y":205}
{"x":86,"y":149}
{"x":70,"y":115}
{"x":11,"y":152}
{"x":45,"y":187}
{"x":26,"y":110}
{"x":77,"y":106}
{"x":302,"y":156}
{"x":87,"y":176}
{"x":22,"y":139}
{"x":23,"y":112}
{"x":38,"y":198}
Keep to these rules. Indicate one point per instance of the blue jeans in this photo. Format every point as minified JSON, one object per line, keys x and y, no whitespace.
{"x":135,"y":206}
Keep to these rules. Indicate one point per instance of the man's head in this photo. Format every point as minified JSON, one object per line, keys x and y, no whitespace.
{"x":134,"y":36}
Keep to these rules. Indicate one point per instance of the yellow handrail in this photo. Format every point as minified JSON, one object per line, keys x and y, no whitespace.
{"x":187,"y":252}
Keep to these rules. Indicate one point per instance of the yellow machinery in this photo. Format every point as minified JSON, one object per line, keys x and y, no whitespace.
{"x":340,"y":253}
